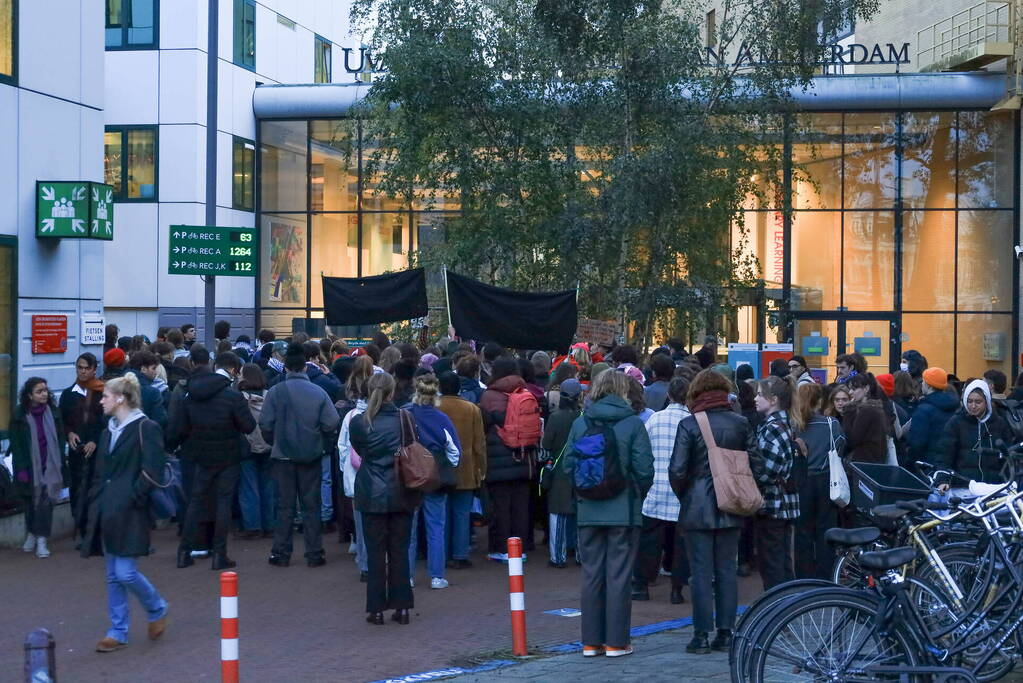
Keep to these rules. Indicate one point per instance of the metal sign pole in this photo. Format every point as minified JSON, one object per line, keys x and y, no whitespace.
{"x":212,"y":66}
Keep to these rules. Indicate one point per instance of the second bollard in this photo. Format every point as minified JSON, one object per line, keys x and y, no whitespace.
{"x":517,"y":589}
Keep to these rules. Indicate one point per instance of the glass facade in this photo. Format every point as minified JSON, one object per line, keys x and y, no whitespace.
{"x":320,"y":214}
{"x":900,"y":234}
{"x":902,"y":229}
{"x":8,"y":323}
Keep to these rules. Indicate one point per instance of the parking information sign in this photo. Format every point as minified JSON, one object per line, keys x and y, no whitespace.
{"x":211,"y":250}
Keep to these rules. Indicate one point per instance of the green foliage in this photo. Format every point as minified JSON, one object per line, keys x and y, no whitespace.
{"x":589,"y":142}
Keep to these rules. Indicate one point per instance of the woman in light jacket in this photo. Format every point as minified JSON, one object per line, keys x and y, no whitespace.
{"x":130,"y":461}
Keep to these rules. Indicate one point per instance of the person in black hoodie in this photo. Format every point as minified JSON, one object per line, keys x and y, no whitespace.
{"x":209,"y":423}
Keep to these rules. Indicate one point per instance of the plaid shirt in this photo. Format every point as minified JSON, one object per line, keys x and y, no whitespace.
{"x":777,"y":449}
{"x":661,"y":502}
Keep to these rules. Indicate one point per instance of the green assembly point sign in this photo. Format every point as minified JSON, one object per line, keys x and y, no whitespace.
{"x":74,"y":209}
{"x":211,"y":250}
{"x":62,"y":209}
{"x":101,"y":211}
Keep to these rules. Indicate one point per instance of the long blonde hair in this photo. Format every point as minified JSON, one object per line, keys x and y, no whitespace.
{"x":362,"y":370}
{"x":381,"y":390}
{"x":809,"y":399}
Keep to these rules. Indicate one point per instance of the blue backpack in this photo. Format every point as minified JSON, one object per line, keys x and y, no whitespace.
{"x":598,"y":473}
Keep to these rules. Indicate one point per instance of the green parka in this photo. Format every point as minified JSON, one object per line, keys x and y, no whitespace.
{"x":636,"y":457}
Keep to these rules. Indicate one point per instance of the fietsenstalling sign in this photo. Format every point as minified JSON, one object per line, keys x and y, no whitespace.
{"x":211,"y":250}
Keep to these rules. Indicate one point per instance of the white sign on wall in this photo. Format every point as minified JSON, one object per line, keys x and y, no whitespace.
{"x":93,"y":330}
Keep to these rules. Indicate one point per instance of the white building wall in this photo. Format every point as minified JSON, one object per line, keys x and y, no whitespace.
{"x":169,"y":87}
{"x":51,"y":128}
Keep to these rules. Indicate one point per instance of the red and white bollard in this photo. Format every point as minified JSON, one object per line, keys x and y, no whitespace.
{"x":517,"y":588}
{"x":229,"y":627}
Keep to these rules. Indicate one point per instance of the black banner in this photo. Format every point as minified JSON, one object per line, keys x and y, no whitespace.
{"x":377,"y":299}
{"x":520,"y":320}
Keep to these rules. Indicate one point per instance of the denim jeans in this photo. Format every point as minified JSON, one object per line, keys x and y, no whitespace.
{"x":459,"y":529}
{"x":257,"y":494}
{"x":123,"y":576}
{"x":561,"y":537}
{"x":361,"y":560}
{"x":326,"y":490}
{"x":435,"y":511}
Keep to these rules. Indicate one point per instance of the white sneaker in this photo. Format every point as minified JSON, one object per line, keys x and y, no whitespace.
{"x":352,"y":548}
{"x":412,"y":582}
{"x":29,"y":545}
{"x":498,"y":557}
{"x":438,"y":583}
{"x":41,"y":549}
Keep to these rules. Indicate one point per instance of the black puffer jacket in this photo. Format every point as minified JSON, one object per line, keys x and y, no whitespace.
{"x":689,"y":470}
{"x":210,"y":421}
{"x":962,"y":442}
{"x":377,"y":489}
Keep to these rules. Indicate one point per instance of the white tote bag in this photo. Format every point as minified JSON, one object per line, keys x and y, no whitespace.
{"x":838,"y":485}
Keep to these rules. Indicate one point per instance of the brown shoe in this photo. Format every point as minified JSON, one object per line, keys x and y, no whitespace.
{"x":108,"y":644}
{"x":156,"y":628}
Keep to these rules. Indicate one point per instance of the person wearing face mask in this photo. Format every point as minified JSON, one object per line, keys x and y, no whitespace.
{"x":974,"y":428}
{"x":934,"y":409}
{"x":864,"y":423}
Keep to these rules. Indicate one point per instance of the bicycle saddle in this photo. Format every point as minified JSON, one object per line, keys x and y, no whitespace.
{"x":851,"y":537}
{"x":883,"y":560}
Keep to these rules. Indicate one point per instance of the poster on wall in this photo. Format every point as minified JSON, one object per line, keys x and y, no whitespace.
{"x":287,"y":274}
{"x":49,"y":333}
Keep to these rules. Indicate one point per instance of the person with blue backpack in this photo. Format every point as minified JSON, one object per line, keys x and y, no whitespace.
{"x":611,"y":466}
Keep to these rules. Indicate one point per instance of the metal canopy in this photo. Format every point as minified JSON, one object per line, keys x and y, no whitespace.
{"x":853,"y":92}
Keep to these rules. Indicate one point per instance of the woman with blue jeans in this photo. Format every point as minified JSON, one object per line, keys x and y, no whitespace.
{"x":256,"y":490}
{"x":437,"y":433}
{"x":129,"y":462}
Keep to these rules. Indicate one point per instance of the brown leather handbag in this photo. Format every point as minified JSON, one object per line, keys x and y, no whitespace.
{"x":734,"y":486}
{"x":417,"y":468}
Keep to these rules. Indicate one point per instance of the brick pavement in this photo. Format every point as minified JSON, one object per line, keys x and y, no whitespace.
{"x":296,"y":623}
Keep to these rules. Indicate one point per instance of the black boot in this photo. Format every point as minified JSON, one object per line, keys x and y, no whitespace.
{"x":640,"y":591}
{"x":676,"y":595}
{"x":400,"y":616}
{"x":376,"y":618}
{"x":698,"y":645}
{"x":222,"y":561}
{"x":722,"y":641}
{"x":185,"y":558}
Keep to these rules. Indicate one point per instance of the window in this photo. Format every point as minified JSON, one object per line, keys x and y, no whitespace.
{"x":712,"y":29}
{"x":321,"y":73}
{"x":8,"y":329}
{"x":8,"y":40}
{"x":129,"y":161}
{"x":132,"y":24}
{"x":245,"y":33}
{"x":243,"y":174}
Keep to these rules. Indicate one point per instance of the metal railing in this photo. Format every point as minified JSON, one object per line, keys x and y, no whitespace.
{"x":958,"y":39}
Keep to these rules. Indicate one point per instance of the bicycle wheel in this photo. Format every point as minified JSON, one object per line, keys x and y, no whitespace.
{"x":830,"y":635}
{"x":848,"y":572}
{"x":757,"y":614}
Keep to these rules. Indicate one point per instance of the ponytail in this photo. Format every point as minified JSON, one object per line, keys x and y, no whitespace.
{"x":381,"y":390}
{"x":362,"y":370}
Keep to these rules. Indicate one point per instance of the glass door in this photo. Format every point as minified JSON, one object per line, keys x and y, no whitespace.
{"x":821,"y":340}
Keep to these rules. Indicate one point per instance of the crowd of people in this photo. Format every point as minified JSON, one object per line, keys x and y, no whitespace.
{"x":607,"y":451}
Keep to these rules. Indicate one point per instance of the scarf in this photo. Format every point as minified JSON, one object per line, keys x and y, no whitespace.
{"x":275,"y":364}
{"x":843,"y":380}
{"x":46,"y":474}
{"x":94,"y":384}
{"x":710,"y":399}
